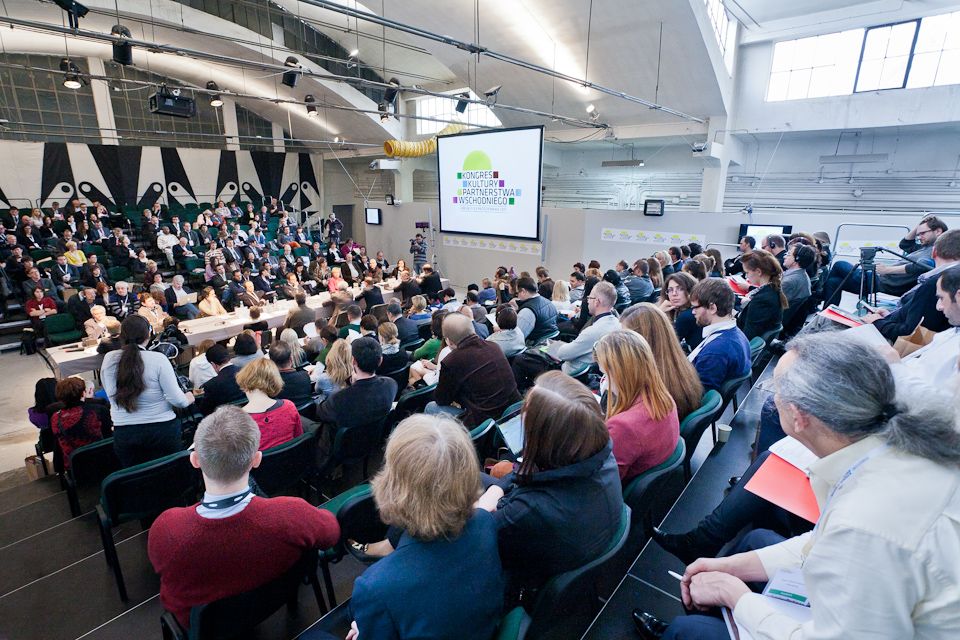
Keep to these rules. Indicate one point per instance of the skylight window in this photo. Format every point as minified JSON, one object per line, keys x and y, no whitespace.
{"x":446,"y":109}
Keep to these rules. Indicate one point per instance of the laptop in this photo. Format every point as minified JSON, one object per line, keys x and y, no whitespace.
{"x":512,"y":433}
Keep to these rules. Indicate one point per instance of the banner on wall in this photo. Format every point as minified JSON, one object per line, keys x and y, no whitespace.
{"x":642,"y":236}
{"x":852,"y":247}
{"x":492,"y":244}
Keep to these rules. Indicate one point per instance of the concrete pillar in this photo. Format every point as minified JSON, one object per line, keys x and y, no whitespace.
{"x":403,"y":181}
{"x":102,"y":103}
{"x":278,"y":145}
{"x":716,"y":158}
{"x":229,"y":114}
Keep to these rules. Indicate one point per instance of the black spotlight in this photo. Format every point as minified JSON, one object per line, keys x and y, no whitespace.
{"x":71,"y":74}
{"x":390,"y":95}
{"x":384,"y":112}
{"x":215,"y":99}
{"x":311,"y":106}
{"x":122,"y":50}
{"x":462,"y":102}
{"x":74,"y":10}
{"x":291,"y":78}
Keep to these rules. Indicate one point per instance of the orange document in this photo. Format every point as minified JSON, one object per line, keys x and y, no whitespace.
{"x":833,"y":313}
{"x":786,"y":486}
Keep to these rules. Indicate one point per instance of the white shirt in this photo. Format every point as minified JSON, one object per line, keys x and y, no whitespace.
{"x":932,"y":368}
{"x":884,"y":560}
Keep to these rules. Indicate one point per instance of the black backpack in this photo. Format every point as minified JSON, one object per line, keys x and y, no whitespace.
{"x":28,"y":342}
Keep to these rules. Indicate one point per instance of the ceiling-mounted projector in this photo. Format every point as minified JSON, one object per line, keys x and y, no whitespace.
{"x":167,"y":103}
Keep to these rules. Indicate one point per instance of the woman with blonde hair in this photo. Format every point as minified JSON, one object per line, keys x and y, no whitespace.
{"x":338,"y":367}
{"x":297,"y":354}
{"x":426,"y":492}
{"x":278,"y":420}
{"x":561,"y":296}
{"x":74,"y":256}
{"x":676,"y":371}
{"x":656,"y":273}
{"x":418,"y":309}
{"x":641,"y":415}
{"x":333,"y":282}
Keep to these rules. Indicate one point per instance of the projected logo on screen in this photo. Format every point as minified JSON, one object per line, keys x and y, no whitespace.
{"x":481,"y":187}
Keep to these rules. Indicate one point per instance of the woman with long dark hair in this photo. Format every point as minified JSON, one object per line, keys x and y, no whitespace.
{"x":143,"y":391}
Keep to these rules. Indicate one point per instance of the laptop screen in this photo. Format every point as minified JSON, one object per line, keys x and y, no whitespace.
{"x":512,"y":432}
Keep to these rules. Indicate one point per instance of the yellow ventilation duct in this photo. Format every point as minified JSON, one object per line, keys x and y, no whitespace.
{"x":404,"y":149}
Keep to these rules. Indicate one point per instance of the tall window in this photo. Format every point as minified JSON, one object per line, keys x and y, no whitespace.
{"x":815,"y":67}
{"x":886,"y":56}
{"x":446,"y":109}
{"x":936,"y":56}
{"x":724,"y":29}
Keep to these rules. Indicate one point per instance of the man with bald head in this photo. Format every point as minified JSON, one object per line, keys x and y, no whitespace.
{"x":476,"y":381}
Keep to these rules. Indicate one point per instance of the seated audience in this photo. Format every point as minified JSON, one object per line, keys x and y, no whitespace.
{"x":77,"y":423}
{"x":562,"y":506}
{"x":430,"y":283}
{"x":38,"y":307}
{"x":246,"y":348}
{"x":407,"y":287}
{"x":370,"y":294}
{"x":432,"y":347}
{"x":695,"y":269}
{"x":475,"y":381}
{"x":561,"y":297}
{"x":418,"y":310}
{"x":222,"y":388}
{"x":277,"y":418}
{"x":675,"y":302}
{"x":724,"y":353}
{"x":143,"y":391}
{"x":641,"y":415}
{"x":678,"y":375}
{"x":233,"y":541}
{"x":796,"y":280}
{"x":297,"y":353}
{"x":122,"y":301}
{"x":368,"y":398}
{"x":638,"y":282}
{"x":761,"y":310}
{"x":735,"y":266}
{"x":79,"y":306}
{"x":354,"y":313}
{"x":623,"y":294}
{"x":406,"y":328}
{"x":882,"y":539}
{"x":152,"y":311}
{"x":299,"y":316}
{"x":177,"y":304}
{"x":536,"y":316}
{"x":446,"y":549}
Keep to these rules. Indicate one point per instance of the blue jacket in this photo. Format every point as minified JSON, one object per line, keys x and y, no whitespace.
{"x":724,"y":358}
{"x":438,"y":589}
{"x":559,"y":519}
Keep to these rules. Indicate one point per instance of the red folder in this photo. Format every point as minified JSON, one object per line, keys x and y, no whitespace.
{"x":738,"y":288}
{"x":784,"y":485}
{"x":838,"y":317}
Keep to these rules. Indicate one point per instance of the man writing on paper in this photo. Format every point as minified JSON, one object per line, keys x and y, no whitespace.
{"x":884,"y":560}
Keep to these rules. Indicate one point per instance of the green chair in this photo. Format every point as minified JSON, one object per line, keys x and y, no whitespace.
{"x":287,"y":466}
{"x":410,"y":403}
{"x":513,"y":626}
{"x":89,"y":465}
{"x":116,"y":274}
{"x":142,"y":492}
{"x":728,"y":391}
{"x":543,"y":339}
{"x":693,"y":425}
{"x":191,"y":264}
{"x":40,"y":254}
{"x":770,"y":336}
{"x":568,"y":602}
{"x":757,"y":345}
{"x":300,"y":252}
{"x":510,"y":411}
{"x":359,"y":520}
{"x":486,"y":439}
{"x":412,"y":345}
{"x":61,"y":328}
{"x":651,"y":494}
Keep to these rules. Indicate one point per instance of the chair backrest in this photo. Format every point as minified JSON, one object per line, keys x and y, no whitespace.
{"x":486,"y":439}
{"x":147,"y":489}
{"x":237,"y":615}
{"x":729,"y":387}
{"x":60,"y":323}
{"x":543,"y":339}
{"x":511,"y":411}
{"x":379,"y":311}
{"x":424,"y":332}
{"x":401,"y":376}
{"x":342,"y":320}
{"x":757,"y":346}
{"x":286,"y":464}
{"x":771,"y":335}
{"x":693,"y":426}
{"x":570,"y":600}
{"x":93,"y":462}
{"x":513,"y":626}
{"x":412,"y":345}
{"x":356,"y":443}
{"x":118,"y":273}
{"x":651,"y":494}
{"x":359,"y":517}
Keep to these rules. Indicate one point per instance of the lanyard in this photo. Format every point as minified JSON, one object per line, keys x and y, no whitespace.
{"x":849,"y":473}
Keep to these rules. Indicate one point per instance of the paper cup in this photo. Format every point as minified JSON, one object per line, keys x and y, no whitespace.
{"x":723,"y":432}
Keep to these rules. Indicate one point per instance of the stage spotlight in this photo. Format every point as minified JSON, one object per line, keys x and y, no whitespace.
{"x":215,"y":99}
{"x":122,"y":50}
{"x":311,"y":107}
{"x":71,"y":74}
{"x":74,"y":10}
{"x":491,"y":94}
{"x":390,"y":95}
{"x":462,"y":102}
{"x":384,"y":112}
{"x":291,"y":78}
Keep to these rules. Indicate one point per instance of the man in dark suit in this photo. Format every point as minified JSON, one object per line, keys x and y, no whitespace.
{"x":79,"y":305}
{"x":299,"y":316}
{"x":176,"y":302}
{"x":407,"y":288}
{"x":181,"y":252}
{"x":370,"y":294}
{"x":369,"y":398}
{"x":230,"y":252}
{"x":193,"y":239}
{"x":297,"y":387}
{"x":407,"y":330}
{"x":430,"y":284}
{"x":223,"y":387}
{"x":97,"y":233}
{"x":63,"y":274}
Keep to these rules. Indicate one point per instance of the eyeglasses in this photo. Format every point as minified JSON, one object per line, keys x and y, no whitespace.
{"x":924,"y":232}
{"x":694,"y":307}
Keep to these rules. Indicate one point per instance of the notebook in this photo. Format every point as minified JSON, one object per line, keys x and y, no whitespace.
{"x":512,"y":432}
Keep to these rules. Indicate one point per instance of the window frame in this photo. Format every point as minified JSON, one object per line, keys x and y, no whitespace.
{"x":906,"y":72}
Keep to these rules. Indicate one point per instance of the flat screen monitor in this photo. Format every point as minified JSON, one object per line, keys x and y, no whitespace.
{"x":490,"y":182}
{"x":374,"y":216}
{"x":760,"y":231}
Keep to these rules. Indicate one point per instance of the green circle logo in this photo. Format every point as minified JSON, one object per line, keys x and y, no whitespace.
{"x":477,"y":161}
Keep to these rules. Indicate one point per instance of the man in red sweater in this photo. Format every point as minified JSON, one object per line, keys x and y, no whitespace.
{"x":232,"y":541}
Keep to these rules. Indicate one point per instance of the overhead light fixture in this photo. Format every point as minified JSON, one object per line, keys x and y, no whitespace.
{"x":122,"y":50}
{"x":857,"y":192}
{"x":71,"y":74}
{"x":291,"y":78}
{"x":311,"y":106}
{"x":621,"y":163}
{"x":393,"y":90}
{"x":462,"y":102}
{"x":215,"y":99}
{"x":491,"y":94}
{"x":74,"y":10}
{"x":354,"y":53}
{"x":591,"y":108}
{"x":336,"y":139}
